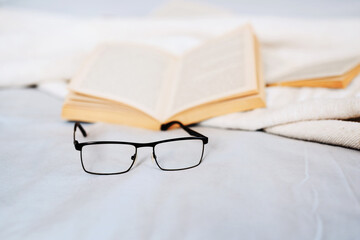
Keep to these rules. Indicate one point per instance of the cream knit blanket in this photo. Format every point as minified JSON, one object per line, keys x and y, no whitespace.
{"x":304,"y":113}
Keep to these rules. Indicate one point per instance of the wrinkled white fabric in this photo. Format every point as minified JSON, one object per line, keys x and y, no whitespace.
{"x":335,"y":132}
{"x":48,"y":47}
{"x":286,"y":106}
{"x":250,"y":185}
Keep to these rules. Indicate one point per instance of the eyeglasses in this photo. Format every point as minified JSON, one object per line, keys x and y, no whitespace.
{"x":114,"y":157}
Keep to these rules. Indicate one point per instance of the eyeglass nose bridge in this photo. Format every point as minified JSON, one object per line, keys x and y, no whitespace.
{"x":153,"y":155}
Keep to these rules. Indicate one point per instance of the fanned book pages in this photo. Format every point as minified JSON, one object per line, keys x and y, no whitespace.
{"x":143,"y":86}
{"x":328,"y":75}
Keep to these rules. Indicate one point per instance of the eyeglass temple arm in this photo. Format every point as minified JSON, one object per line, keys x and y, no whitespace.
{"x":82,"y":130}
{"x":166,"y":126}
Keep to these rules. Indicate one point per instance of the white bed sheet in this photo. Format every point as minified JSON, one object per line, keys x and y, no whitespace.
{"x":251,"y":185}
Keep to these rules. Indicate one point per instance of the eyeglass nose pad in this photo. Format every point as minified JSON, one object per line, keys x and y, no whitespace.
{"x":133,"y":157}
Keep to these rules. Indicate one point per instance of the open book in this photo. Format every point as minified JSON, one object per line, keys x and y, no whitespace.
{"x":143,"y":86}
{"x":328,"y":75}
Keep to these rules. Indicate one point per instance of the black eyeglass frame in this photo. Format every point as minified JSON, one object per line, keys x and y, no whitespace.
{"x":195,"y":136}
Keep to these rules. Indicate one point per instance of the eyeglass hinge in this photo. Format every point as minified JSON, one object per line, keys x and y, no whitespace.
{"x":77,"y":145}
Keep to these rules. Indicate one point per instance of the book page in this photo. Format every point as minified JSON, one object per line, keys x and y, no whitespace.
{"x":324,"y":69}
{"x":127,"y":73}
{"x":221,"y":68}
